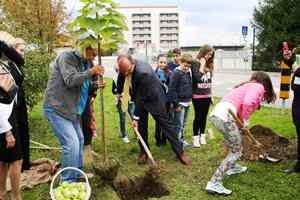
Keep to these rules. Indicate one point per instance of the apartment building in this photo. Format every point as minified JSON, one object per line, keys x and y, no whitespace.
{"x":155,"y":27}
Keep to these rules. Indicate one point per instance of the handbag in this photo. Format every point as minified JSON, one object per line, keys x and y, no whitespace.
{"x":8,"y":86}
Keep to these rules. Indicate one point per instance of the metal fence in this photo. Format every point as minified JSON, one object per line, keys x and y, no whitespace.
{"x":233,"y":60}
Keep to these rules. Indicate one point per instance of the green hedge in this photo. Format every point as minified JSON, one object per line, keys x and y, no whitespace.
{"x":36,"y":71}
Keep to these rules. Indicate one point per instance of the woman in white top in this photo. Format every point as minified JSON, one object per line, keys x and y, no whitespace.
{"x":10,"y":147}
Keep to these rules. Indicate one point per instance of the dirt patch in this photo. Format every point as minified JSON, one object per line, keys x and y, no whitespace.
{"x":108,"y":170}
{"x":273,"y":145}
{"x":144,"y":187}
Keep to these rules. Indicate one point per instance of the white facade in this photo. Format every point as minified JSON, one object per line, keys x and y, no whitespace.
{"x":154,"y":27}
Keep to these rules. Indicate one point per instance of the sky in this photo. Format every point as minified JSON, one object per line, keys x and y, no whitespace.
{"x":215,"y":22}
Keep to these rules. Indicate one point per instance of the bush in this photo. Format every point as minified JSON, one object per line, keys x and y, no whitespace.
{"x":36,"y":71}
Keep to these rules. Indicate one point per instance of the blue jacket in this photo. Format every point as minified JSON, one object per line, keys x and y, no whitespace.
{"x":164,"y":77}
{"x":180,"y":87}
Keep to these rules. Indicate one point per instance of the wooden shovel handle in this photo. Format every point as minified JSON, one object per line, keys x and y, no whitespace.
{"x":246,"y":130}
{"x":148,"y":152}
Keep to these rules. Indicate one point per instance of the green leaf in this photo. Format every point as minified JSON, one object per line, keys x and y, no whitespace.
{"x":110,"y":24}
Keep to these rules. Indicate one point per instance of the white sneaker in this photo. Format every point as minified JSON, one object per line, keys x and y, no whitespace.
{"x":125,"y":139}
{"x":217,"y":188}
{"x":186,"y":144}
{"x":196,"y":141}
{"x":236,"y":170}
{"x":202,"y":139}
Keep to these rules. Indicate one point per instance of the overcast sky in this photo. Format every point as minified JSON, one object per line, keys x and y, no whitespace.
{"x":206,"y":21}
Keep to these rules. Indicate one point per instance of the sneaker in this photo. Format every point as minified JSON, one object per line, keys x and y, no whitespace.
{"x":186,"y":144}
{"x":125,"y":139}
{"x":217,"y":188}
{"x":202,"y":139}
{"x":236,"y":170}
{"x":196,"y":141}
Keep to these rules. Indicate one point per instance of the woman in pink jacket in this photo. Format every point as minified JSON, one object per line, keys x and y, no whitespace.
{"x":243,"y":100}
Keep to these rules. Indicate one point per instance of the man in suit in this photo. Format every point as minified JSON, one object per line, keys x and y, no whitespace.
{"x":149,"y":97}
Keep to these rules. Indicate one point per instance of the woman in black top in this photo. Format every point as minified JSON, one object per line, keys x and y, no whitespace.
{"x":202,"y":76}
{"x":10,"y":146}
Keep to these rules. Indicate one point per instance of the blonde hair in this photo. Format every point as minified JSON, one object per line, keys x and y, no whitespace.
{"x":186,"y":58}
{"x":19,"y":41}
{"x":7,"y":38}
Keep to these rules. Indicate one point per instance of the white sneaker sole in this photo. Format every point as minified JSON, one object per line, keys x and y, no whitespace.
{"x":230,"y":174}
{"x":216,"y":192}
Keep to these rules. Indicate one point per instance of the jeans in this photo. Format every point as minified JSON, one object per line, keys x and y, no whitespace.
{"x":70,"y":136}
{"x":122,"y":117}
{"x":180,"y":118}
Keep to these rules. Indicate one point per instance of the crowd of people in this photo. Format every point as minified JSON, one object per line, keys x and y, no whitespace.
{"x":167,"y":93}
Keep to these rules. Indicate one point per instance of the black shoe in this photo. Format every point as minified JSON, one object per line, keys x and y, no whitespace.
{"x":292,"y":170}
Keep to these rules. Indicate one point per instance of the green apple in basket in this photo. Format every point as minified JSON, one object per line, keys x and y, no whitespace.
{"x":70,"y":191}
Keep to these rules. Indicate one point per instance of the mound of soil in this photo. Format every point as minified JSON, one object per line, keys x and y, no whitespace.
{"x":140,"y":188}
{"x":108,"y":170}
{"x":273,"y":145}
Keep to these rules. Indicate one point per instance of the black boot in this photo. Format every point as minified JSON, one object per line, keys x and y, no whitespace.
{"x":295,"y":169}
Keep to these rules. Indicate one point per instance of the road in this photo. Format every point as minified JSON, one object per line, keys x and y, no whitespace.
{"x":225,"y":80}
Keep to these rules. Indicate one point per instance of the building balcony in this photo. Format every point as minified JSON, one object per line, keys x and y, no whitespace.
{"x":139,"y":18}
{"x":141,"y":43}
{"x":141,"y":38}
{"x":169,"y":46}
{"x":168,"y":31}
{"x":147,"y":31}
{"x":169,"y":25}
{"x":144,"y":25}
{"x":164,"y":18}
{"x":168,"y":15}
{"x":169,"y":38}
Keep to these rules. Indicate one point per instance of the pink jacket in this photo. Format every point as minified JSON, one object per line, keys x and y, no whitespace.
{"x":246,"y":98}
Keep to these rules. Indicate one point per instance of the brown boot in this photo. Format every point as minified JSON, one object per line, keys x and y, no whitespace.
{"x":142,"y":159}
{"x":184,"y":159}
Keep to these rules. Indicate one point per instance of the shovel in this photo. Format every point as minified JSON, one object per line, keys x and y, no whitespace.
{"x":147,"y":150}
{"x":145,"y":146}
{"x":246,"y":130}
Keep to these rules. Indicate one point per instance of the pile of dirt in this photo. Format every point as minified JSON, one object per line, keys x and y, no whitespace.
{"x":274,"y":145}
{"x":144,"y":187}
{"x":108,"y":170}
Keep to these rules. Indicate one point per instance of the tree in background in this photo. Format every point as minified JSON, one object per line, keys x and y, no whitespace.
{"x":36,"y":72}
{"x":275,"y":21}
{"x":37,"y":21}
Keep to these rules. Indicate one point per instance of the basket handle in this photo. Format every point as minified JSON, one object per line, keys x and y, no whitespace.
{"x":64,"y":169}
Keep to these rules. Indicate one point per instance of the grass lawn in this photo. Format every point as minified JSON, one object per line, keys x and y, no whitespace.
{"x":263,"y":181}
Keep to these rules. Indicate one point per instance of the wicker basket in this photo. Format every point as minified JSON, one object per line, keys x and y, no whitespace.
{"x":88,"y":186}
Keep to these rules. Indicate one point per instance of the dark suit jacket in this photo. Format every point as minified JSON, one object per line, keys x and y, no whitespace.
{"x":296,"y":101}
{"x":147,"y":91}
